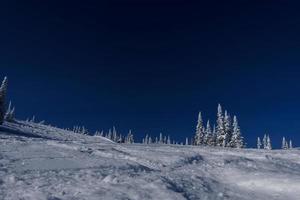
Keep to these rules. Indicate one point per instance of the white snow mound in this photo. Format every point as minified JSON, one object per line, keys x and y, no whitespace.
{"x":39,"y":162}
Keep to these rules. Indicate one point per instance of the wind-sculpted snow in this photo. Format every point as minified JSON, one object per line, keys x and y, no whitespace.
{"x":39,"y":162}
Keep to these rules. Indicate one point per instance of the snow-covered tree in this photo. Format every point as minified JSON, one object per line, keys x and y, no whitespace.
{"x":199,"y":135}
{"x":237,"y":140}
{"x":150,"y":140}
{"x":161,"y":139}
{"x":109,"y":135}
{"x":214,"y":136}
{"x":10,"y":113}
{"x":220,"y":128}
{"x":147,"y":139}
{"x":209,"y":137}
{"x":258,"y":143}
{"x":165,"y":140}
{"x":169,"y":140}
{"x":3,"y":91}
{"x":291,"y":144}
{"x":129,"y":138}
{"x":228,"y":131}
{"x":269,"y":144}
{"x":284,"y":144}
{"x":186,"y":141}
{"x":114,"y":135}
{"x":265,"y":141}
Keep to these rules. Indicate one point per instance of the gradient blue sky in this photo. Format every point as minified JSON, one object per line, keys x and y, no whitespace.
{"x":150,"y":66}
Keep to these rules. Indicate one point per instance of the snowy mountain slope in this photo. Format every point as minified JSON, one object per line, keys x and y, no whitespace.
{"x":42,"y":162}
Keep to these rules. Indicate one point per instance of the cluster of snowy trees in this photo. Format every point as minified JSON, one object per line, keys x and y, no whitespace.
{"x":113,"y":135}
{"x":226,"y":133}
{"x":285,"y":144}
{"x":267,"y":144}
{"x":162,"y":139}
{"x":5,"y":114}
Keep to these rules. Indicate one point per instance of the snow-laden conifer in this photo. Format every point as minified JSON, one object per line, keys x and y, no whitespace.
{"x":150,"y":140}
{"x":237,"y":139}
{"x":10,"y":113}
{"x":291,"y":144}
{"x":220,"y":127}
{"x":209,"y":138}
{"x":161,"y":139}
{"x":265,"y":141}
{"x":169,"y":140}
{"x":284,"y":144}
{"x":130,"y":139}
{"x":199,"y":135}
{"x":114,"y":134}
{"x":228,"y":131}
{"x":186,"y":141}
{"x":269,"y":144}
{"x":259,"y":143}
{"x":3,"y":91}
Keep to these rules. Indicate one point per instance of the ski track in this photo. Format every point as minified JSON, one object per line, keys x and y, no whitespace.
{"x":39,"y":162}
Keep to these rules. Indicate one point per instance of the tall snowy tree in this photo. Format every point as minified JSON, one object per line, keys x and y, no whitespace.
{"x":220,"y":127}
{"x":186,"y":141}
{"x":114,"y":135}
{"x":150,"y":140}
{"x":284,"y":144}
{"x":109,"y":135}
{"x":161,"y":139}
{"x":10,"y":113}
{"x":214,"y":136}
{"x":265,"y":141}
{"x":291,"y":144}
{"x":237,"y":140}
{"x":208,"y":138}
{"x":258,"y":143}
{"x":269,"y":144}
{"x":169,"y":140}
{"x":228,"y":131}
{"x":199,"y":135}
{"x":3,"y":91}
{"x":129,"y":138}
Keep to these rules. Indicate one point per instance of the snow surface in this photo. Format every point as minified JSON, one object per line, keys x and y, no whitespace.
{"x":39,"y":162}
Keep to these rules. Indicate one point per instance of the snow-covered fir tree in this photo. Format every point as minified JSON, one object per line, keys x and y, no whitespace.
{"x":199,"y":135}
{"x":265,"y":141}
{"x":147,"y":139}
{"x":10,"y":113}
{"x":284,"y":144}
{"x":150,"y":140}
{"x":269,"y":144}
{"x":220,"y":127}
{"x":3,"y":91}
{"x":237,"y":140}
{"x":114,"y":135}
{"x":161,"y":139}
{"x":169,"y":140}
{"x":109,"y":134}
{"x":214,"y":136}
{"x":165,"y":140}
{"x":228,"y":131}
{"x":186,"y":141}
{"x":259,"y":144}
{"x":291,"y":144}
{"x":129,"y":138}
{"x":208,"y":138}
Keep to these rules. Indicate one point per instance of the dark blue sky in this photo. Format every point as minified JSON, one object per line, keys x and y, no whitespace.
{"x":150,"y":66}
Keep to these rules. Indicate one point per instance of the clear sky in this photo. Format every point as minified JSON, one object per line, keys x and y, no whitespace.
{"x":151,"y":65}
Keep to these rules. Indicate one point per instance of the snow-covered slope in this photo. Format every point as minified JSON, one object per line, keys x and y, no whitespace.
{"x":42,"y":162}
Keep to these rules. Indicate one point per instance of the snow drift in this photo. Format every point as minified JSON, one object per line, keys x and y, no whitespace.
{"x":39,"y":162}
